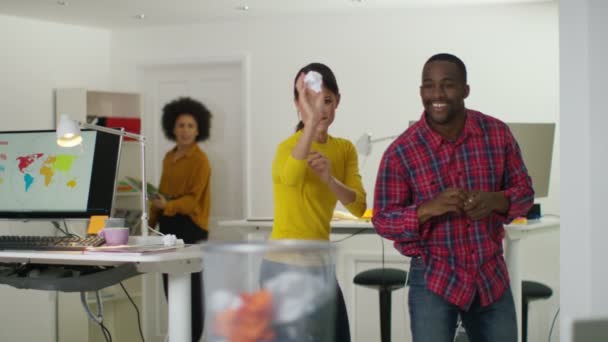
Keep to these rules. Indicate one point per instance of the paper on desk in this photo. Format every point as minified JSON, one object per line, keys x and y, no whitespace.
{"x":344,"y":215}
{"x":130,"y":249}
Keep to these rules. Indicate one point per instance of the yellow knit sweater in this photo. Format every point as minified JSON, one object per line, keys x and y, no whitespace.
{"x":303,"y":204}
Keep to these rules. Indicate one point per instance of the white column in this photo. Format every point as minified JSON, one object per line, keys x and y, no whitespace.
{"x":512,"y":254}
{"x":180,"y":310}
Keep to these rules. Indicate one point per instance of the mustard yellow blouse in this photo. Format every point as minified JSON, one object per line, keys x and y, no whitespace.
{"x":186,"y":182}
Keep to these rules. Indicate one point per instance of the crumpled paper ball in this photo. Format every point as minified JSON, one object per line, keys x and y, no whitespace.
{"x":313,"y":81}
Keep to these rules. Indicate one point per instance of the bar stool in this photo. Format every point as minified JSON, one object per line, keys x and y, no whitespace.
{"x":531,"y":290}
{"x":385,"y":280}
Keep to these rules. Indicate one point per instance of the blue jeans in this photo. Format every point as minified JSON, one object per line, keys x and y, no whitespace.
{"x":433,"y":319}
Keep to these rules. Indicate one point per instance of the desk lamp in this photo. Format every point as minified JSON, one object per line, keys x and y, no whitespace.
{"x":68,"y":135}
{"x":364,"y":148}
{"x":365,"y":142}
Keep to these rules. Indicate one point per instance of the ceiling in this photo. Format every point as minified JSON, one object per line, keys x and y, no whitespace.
{"x":113,"y":14}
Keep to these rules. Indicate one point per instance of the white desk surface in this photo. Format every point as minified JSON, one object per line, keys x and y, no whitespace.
{"x":107,"y":259}
{"x":177,"y":263}
{"x":548,"y":222}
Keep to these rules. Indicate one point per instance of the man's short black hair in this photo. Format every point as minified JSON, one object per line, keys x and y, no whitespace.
{"x":446,"y":57}
{"x":186,"y":105}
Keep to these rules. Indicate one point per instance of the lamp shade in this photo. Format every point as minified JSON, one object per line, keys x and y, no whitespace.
{"x":68,"y":132}
{"x":364,"y":144}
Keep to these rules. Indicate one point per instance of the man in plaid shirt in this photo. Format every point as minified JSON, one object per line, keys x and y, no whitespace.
{"x":444,"y":190}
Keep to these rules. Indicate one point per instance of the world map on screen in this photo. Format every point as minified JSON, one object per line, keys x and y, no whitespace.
{"x":33,"y":170}
{"x":38,"y":175}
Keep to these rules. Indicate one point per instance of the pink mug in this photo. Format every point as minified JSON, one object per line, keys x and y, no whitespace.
{"x":115,"y":235}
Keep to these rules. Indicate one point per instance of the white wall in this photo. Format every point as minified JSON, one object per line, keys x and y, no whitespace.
{"x":598,"y":55}
{"x":511,"y":51}
{"x":35,"y":58}
{"x":512,"y":55}
{"x":583,"y":70}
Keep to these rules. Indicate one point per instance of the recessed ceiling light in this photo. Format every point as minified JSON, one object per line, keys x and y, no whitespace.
{"x":140,"y":16}
{"x":242,"y":8}
{"x":62,"y":3}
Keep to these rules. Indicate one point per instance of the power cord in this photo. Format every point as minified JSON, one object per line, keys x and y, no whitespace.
{"x":382,"y":244}
{"x":168,"y":239}
{"x":155,"y":231}
{"x":96,"y":318}
{"x":65,"y":225}
{"x":350,"y":236}
{"x":58,"y":227}
{"x":383,"y":269}
{"x":141,"y":333}
{"x":106,"y":333}
{"x":553,"y":324}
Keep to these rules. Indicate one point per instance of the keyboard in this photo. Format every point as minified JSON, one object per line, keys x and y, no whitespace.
{"x":50,"y":243}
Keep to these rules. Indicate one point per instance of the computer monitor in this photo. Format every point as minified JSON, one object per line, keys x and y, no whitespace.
{"x":535,"y":141}
{"x":589,"y":329}
{"x":41,"y":180}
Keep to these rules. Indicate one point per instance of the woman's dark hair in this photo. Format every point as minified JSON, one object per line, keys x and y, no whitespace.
{"x":329,"y":82}
{"x":189,"y":106}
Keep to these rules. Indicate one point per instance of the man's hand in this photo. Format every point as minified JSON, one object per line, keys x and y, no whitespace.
{"x":450,"y":200}
{"x":480,"y":204}
{"x":320,"y":165}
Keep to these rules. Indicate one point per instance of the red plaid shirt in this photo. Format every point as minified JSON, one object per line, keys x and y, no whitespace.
{"x":462,"y":257}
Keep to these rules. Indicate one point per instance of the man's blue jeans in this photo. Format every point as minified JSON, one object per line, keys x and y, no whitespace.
{"x":433,"y":319}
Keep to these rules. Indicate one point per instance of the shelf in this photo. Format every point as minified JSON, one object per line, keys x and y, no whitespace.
{"x":83,"y":104}
{"x":128,"y":194}
{"x":104,"y":103}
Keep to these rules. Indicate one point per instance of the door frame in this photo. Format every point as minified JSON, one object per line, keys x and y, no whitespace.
{"x":243,"y":61}
{"x":149,"y":319}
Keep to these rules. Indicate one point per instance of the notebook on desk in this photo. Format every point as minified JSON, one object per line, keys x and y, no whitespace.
{"x":96,"y":223}
{"x":131,"y":249}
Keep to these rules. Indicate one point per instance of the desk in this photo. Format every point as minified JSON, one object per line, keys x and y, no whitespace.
{"x":515,"y":234}
{"x":178,"y":264}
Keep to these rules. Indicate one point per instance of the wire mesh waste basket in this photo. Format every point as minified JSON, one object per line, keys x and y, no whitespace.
{"x":274,"y":291}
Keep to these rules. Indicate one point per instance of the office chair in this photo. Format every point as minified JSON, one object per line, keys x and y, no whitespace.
{"x":385,"y":280}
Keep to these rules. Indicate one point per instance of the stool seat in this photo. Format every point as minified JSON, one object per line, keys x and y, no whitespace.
{"x":534,"y":290}
{"x":391,"y":278}
{"x":531,"y":290}
{"x":385,"y":280}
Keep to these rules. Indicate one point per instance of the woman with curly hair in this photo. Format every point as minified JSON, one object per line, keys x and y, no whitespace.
{"x":184,"y":212}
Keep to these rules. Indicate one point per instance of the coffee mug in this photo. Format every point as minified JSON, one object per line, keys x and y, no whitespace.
{"x":115,"y":235}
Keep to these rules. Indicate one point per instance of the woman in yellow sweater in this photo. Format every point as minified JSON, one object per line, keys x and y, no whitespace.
{"x":311,"y":172}
{"x":185,"y":181}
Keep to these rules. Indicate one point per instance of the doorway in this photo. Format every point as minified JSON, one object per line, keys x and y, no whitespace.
{"x":219,"y":86}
